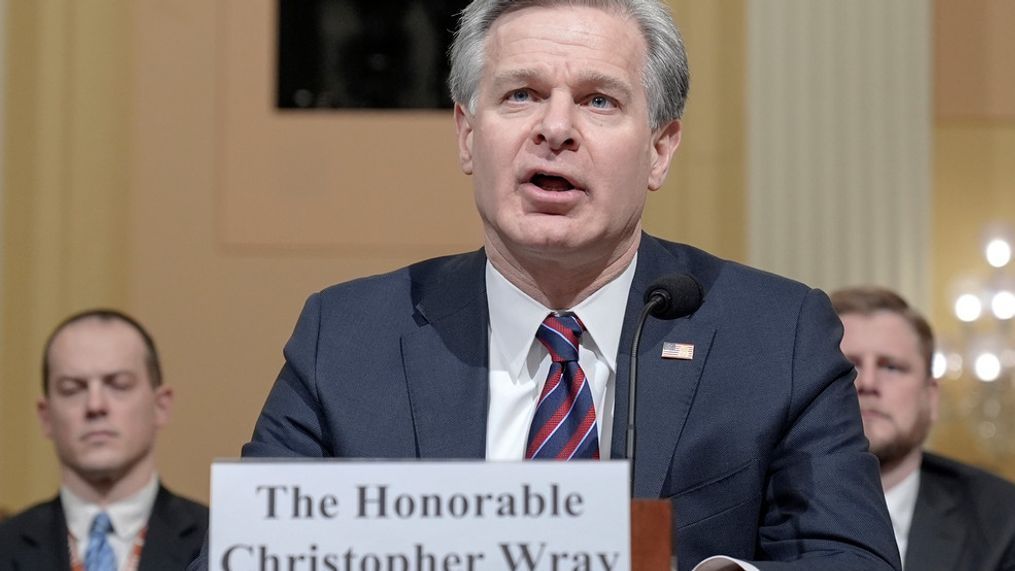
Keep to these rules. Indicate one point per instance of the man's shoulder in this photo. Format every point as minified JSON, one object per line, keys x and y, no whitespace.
{"x":731,"y":279}
{"x":987,"y":492}
{"x":36,"y":520}
{"x":423,"y":274}
{"x":183,"y":505}
{"x":177,"y":527}
{"x":429,"y":288}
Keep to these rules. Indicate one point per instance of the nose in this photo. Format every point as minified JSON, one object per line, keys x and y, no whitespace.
{"x":866,"y":380}
{"x":556,"y":127}
{"x":97,"y":404}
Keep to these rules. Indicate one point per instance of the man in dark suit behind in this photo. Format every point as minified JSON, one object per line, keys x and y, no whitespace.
{"x":567,"y":115}
{"x":103,"y":403}
{"x":946,"y":515}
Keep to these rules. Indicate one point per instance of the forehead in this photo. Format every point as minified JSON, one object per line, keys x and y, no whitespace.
{"x":882,"y":331}
{"x":95,"y":345}
{"x":575,"y":35}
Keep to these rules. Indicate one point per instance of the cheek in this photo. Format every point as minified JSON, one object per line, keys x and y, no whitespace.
{"x":142,"y":419}
{"x":61,"y":422}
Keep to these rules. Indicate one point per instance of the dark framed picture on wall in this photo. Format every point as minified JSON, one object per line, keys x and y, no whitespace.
{"x":364,"y":54}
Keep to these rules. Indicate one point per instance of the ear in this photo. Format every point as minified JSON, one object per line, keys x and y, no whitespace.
{"x":163,"y":405}
{"x":463,"y":126}
{"x":665,"y":141}
{"x":933,"y":398}
{"x":45,"y":421}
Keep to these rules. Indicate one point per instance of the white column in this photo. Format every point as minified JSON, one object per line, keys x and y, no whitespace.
{"x":839,"y":142}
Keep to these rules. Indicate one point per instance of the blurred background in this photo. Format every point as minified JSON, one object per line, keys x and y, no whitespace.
{"x":144,"y":165}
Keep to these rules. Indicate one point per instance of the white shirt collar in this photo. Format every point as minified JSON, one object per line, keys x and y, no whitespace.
{"x":129,"y":515}
{"x":515,"y":317}
{"x":901,"y":500}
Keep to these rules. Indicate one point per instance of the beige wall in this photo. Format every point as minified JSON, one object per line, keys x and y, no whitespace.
{"x":65,"y":202}
{"x":125,"y":134}
{"x":147,"y":170}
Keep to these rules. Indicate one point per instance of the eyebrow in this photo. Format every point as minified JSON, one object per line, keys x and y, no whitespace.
{"x":586,"y":79}
{"x":105,"y":375}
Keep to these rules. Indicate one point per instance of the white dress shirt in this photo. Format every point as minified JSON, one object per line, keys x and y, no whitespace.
{"x":128,"y":516}
{"x":901,"y":500}
{"x":519,"y":363}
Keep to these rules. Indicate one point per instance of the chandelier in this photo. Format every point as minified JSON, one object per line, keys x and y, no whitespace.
{"x":985,"y":349}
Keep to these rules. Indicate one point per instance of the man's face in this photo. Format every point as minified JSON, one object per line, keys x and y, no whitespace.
{"x":559,"y":144}
{"x":101,"y":410}
{"x":898,"y":397}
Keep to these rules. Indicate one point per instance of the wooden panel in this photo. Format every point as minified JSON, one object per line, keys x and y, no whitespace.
{"x":203,"y":265}
{"x":703,"y":201}
{"x":65,"y":194}
{"x":974,"y":59}
{"x":355,"y":181}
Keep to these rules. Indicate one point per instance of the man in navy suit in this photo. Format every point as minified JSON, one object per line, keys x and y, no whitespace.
{"x":946,"y":515}
{"x":567,"y":116}
{"x":103,"y":403}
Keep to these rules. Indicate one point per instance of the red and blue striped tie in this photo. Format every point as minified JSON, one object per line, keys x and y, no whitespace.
{"x":564,"y":426}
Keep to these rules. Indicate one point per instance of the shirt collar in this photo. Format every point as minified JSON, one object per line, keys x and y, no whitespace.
{"x":515,"y":317}
{"x":128,"y":515}
{"x":901,"y":500}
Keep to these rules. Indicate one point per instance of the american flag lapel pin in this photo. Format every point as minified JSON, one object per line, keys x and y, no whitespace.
{"x":683,"y":351}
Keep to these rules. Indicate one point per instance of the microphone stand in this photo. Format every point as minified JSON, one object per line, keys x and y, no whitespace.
{"x":632,"y":387}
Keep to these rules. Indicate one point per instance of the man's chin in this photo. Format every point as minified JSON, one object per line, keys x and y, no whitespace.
{"x":100,"y":471}
{"x":890,"y":452}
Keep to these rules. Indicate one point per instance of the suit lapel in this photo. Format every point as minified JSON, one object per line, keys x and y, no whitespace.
{"x":936,"y":536}
{"x":45,"y":539}
{"x":445,"y":358}
{"x":167,"y":528}
{"x":666,"y":387}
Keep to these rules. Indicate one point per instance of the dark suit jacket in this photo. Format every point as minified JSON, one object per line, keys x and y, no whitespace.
{"x":964,"y":519}
{"x":36,"y":538}
{"x":757,"y":440}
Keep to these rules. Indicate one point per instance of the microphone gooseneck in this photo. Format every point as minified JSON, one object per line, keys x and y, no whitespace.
{"x":669,"y":297}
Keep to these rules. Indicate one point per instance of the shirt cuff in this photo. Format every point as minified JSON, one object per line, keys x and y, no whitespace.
{"x":723,"y":563}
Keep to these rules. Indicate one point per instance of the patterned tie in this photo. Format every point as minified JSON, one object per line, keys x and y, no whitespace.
{"x":99,"y":556}
{"x":564,"y":426}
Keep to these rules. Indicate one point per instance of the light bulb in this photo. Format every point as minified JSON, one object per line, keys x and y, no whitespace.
{"x":987,"y":367}
{"x":1003,"y":304}
{"x":998,"y":253}
{"x":968,"y":307}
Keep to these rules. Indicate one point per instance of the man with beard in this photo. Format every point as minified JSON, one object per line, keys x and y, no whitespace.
{"x":946,"y":515}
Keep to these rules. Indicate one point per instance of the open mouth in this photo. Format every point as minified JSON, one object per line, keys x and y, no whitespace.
{"x":552,"y":183}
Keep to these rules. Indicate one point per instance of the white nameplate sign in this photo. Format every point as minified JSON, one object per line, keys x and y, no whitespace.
{"x":419,"y":516}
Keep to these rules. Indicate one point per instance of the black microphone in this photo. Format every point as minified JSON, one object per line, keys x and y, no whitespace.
{"x":669,"y":297}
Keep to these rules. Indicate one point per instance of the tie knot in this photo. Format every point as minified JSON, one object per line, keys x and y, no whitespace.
{"x":560,"y":335}
{"x":101,"y":525}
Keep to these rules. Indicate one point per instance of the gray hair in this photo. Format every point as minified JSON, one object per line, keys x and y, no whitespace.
{"x":666,"y":75}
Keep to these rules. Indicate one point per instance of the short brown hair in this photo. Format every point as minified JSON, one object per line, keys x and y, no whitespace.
{"x":151,"y":355}
{"x":868,"y":300}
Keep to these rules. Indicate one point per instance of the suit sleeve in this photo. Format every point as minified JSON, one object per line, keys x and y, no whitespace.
{"x":291,"y":423}
{"x":824,"y":508}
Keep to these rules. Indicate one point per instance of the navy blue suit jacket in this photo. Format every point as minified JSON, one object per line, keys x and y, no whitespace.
{"x":37,"y":538}
{"x":757,"y":440}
